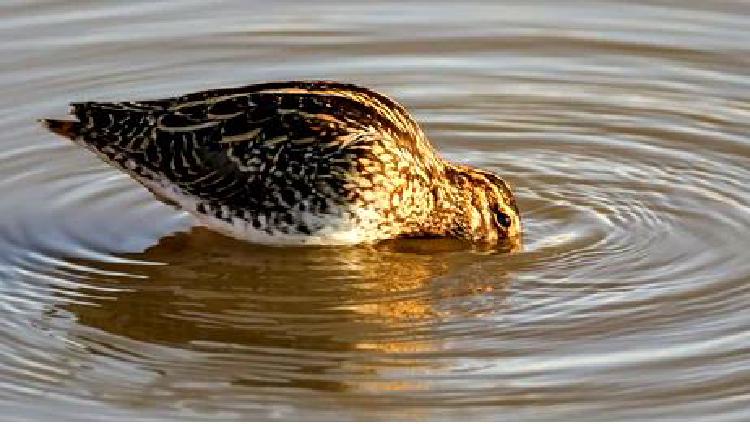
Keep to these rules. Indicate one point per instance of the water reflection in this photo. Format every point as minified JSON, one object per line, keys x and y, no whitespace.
{"x":296,"y":317}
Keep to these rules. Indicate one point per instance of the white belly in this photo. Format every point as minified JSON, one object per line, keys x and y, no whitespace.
{"x":331,"y":229}
{"x":334,"y":232}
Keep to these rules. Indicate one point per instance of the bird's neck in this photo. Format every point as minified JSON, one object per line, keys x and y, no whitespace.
{"x":452,"y":208}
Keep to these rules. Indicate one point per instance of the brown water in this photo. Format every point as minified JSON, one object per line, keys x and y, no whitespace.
{"x":623,"y":125}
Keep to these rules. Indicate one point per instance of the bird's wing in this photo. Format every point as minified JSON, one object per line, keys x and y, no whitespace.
{"x":228,"y":145}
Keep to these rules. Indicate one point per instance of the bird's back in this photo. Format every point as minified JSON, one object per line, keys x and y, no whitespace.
{"x":292,"y":162}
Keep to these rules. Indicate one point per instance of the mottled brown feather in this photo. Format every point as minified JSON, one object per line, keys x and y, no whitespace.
{"x":270,"y":154}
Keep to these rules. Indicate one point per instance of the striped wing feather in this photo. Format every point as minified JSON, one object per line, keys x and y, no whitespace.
{"x":254,"y":147}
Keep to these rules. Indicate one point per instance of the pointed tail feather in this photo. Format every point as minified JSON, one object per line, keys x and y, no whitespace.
{"x":69,"y":129}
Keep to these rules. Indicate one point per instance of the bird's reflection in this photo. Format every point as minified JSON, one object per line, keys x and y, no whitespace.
{"x":294,"y":317}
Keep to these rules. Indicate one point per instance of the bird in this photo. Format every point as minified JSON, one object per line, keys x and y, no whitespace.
{"x":296,"y":163}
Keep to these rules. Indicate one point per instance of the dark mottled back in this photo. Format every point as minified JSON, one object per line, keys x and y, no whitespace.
{"x":271,"y":153}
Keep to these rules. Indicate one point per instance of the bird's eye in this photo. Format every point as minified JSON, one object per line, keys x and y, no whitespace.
{"x":502,"y":219}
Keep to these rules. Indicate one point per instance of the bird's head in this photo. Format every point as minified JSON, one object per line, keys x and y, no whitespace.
{"x":484,"y":207}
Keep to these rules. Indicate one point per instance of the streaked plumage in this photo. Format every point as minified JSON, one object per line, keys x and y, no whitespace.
{"x":296,"y":163}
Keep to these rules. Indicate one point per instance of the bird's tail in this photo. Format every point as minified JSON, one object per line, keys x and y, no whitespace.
{"x":100,"y":122}
{"x":65,"y":128}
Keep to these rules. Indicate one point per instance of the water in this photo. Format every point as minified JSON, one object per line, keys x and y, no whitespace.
{"x":624,"y":127}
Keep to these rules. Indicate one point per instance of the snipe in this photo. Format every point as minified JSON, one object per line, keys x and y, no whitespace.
{"x":296,"y":163}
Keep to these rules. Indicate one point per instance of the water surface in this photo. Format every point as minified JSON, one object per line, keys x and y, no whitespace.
{"x":623,"y":126}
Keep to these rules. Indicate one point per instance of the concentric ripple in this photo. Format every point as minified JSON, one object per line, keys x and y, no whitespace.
{"x":623,"y":127}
